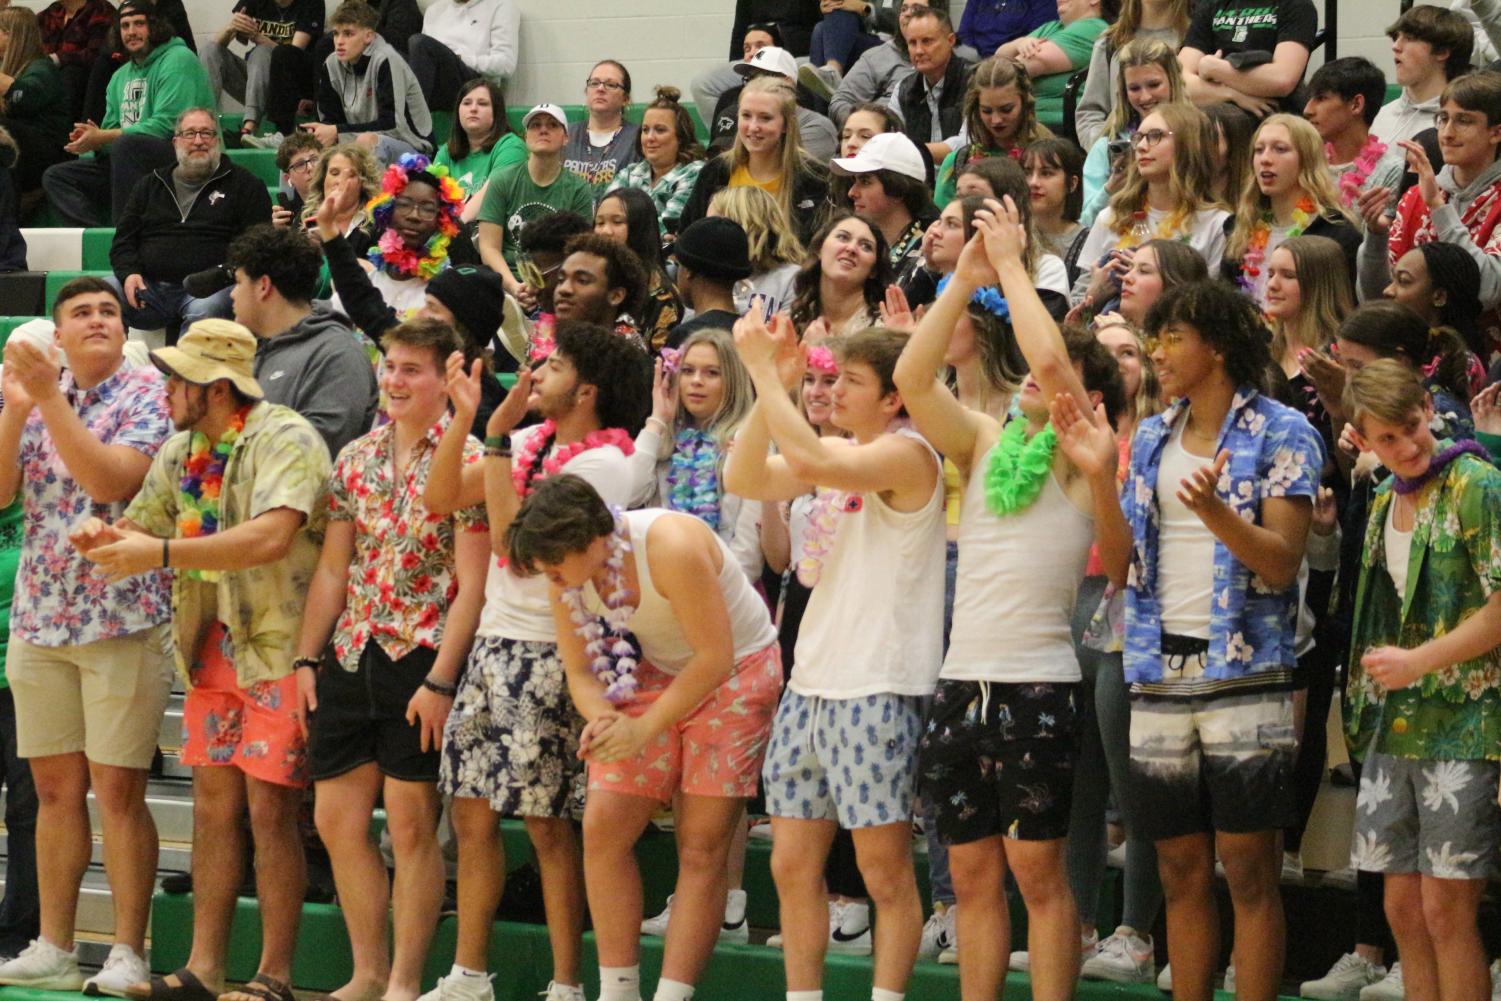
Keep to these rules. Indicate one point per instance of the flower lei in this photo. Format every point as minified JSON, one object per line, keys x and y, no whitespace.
{"x":1137,"y":233}
{"x":987,"y":297}
{"x":611,"y":654}
{"x":390,"y":252}
{"x":1017,"y":468}
{"x":821,"y":359}
{"x":202,"y":483}
{"x":1352,"y":180}
{"x":543,"y":341}
{"x":1261,"y":233}
{"x":693,"y":476}
{"x":819,"y":538}
{"x":532,"y":461}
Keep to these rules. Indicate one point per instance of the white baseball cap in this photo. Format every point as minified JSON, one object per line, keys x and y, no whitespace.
{"x":770,"y":60}
{"x":551,"y":110}
{"x":891,"y":151}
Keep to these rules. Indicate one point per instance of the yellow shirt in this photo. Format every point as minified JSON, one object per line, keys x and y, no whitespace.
{"x":741,"y":177}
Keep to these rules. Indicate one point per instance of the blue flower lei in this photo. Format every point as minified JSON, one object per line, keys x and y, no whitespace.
{"x":693,"y":476}
{"x":988,"y":298}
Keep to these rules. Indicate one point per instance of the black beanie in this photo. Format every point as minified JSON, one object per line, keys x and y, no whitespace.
{"x":475,"y":296}
{"x":716,"y":248}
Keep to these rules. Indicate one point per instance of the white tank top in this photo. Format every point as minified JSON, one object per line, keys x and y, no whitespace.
{"x":654,"y":625}
{"x":875,"y":621}
{"x":1015,"y":589}
{"x":1185,"y":557}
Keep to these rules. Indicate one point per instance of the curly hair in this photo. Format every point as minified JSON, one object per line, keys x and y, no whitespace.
{"x":283,"y":254}
{"x":623,"y":269}
{"x":1224,"y":318}
{"x":549,"y":234}
{"x":618,"y":370}
{"x":562,"y":515}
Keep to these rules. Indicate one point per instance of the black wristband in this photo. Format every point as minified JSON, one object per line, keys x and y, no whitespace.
{"x":439,"y":687}
{"x":166,"y":561}
{"x":312,"y":663}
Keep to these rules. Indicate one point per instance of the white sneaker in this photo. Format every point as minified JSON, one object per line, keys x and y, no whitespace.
{"x":1123,"y":958}
{"x":950,"y":956}
{"x":1388,"y":988}
{"x":1229,"y":987}
{"x":849,"y":928}
{"x":737,"y":930}
{"x":272,"y":141}
{"x":1292,"y":866}
{"x":937,"y":933}
{"x":562,"y":992}
{"x":123,"y":968}
{"x":1021,"y":961}
{"x":658,"y":925}
{"x":44,"y":966}
{"x":457,"y":987}
{"x":1496,"y":980}
{"x":821,"y":80}
{"x":1165,"y":979}
{"x":1349,"y":975}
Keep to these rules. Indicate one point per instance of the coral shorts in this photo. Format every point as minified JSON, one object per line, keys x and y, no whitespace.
{"x":715,"y":750}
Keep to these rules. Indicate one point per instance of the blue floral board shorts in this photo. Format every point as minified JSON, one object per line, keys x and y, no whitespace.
{"x":853,"y":761}
{"x":513,"y":735}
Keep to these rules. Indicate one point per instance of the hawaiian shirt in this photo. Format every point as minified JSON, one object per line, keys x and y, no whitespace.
{"x":1274,"y":452}
{"x":669,"y":194}
{"x":280,"y":461}
{"x":62,"y":599}
{"x":1453,"y":569}
{"x":401,"y":581}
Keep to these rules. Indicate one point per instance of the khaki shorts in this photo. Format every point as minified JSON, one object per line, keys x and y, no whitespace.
{"x":104,"y":698}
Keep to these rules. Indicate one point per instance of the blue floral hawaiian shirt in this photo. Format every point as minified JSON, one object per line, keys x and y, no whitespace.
{"x":1274,"y":452}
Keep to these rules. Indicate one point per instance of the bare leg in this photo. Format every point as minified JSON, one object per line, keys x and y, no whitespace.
{"x":613,"y":823}
{"x":1041,"y":872}
{"x":280,"y":871}
{"x":556,"y":845}
{"x":64,"y":841}
{"x":342,"y":809}
{"x":982,"y":922}
{"x":218,"y":864}
{"x":799,"y":849}
{"x":412,"y":810}
{"x":130,"y":848}
{"x":1449,"y":909}
{"x":482,"y":878}
{"x":884,"y":855}
{"x":705,"y":828}
{"x":1404,"y":913}
{"x":1186,"y":865}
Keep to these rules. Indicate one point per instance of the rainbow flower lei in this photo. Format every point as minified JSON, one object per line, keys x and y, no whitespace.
{"x":1352,"y":180}
{"x":390,"y":252}
{"x":202,"y":483}
{"x":1261,"y":234}
{"x":693,"y":476}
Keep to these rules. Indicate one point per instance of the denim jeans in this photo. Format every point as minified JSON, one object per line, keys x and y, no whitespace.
{"x":20,"y":910}
{"x":165,"y":304}
{"x":93,"y":192}
{"x":840,"y":37}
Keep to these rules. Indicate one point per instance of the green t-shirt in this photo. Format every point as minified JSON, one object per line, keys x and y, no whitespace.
{"x":473,"y":170}
{"x":514,"y":199}
{"x":1077,"y":42}
{"x":10,"y":559}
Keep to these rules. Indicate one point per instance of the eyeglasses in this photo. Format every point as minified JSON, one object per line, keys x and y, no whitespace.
{"x":204,"y":134}
{"x":594,"y":83}
{"x":422,"y":210}
{"x":1167,"y":340}
{"x":298,"y":166}
{"x":1150,"y":138}
{"x":1458,"y":121}
{"x":908,"y":9}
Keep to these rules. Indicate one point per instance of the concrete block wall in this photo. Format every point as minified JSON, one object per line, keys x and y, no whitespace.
{"x":669,"y":41}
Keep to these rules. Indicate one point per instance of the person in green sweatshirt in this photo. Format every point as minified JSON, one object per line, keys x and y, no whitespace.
{"x":32,"y":103}
{"x":160,"y":79}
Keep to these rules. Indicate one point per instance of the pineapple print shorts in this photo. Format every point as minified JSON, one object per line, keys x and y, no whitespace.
{"x":1438,"y":818}
{"x":998,"y":758}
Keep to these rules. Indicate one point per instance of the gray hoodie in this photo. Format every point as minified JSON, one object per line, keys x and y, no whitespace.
{"x":319,"y":369}
{"x":875,"y":77}
{"x":359,"y":93}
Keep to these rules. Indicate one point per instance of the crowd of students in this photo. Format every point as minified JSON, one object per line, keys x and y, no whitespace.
{"x":973,"y":475}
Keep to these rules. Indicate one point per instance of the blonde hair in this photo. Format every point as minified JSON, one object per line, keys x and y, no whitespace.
{"x":25,"y":44}
{"x":1129,"y":22}
{"x":793,"y":157}
{"x":993,"y":72}
{"x":1189,"y":180}
{"x":1388,"y":390}
{"x":1313,"y":179}
{"x":739,"y":395}
{"x":1148,"y":399}
{"x":773,"y":241}
{"x":1134,"y":55}
{"x":363,"y":162}
{"x":1323,"y":292}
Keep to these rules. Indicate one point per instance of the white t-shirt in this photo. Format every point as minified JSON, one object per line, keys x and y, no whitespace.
{"x":404,"y":295}
{"x":518,"y":608}
{"x":656,"y":627}
{"x":1185,"y":561}
{"x":1398,"y":551}
{"x":1206,"y":234}
{"x":1015,"y":588}
{"x":874,"y":623}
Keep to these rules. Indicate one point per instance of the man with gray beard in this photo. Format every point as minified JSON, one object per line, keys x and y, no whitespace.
{"x":179,"y":220}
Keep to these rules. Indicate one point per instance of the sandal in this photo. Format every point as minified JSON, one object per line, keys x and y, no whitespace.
{"x":187,"y":988}
{"x":261,"y":987}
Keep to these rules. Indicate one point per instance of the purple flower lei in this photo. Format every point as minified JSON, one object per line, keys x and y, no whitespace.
{"x":612,"y":655}
{"x":1435,"y":467}
{"x":693,"y":476}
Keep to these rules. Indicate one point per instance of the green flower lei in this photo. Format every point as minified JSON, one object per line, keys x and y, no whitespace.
{"x":1017,"y":468}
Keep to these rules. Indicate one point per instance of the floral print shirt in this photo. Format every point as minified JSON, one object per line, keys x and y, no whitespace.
{"x":62,"y":599}
{"x":401,"y":581}
{"x":279,"y":462}
{"x":1453,"y":568}
{"x":1274,"y":452}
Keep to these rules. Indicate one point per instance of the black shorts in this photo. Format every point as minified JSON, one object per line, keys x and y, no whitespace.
{"x":362,"y":714}
{"x":998,"y":758}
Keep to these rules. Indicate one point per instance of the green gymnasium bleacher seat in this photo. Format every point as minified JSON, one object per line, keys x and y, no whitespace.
{"x":96,"y":243}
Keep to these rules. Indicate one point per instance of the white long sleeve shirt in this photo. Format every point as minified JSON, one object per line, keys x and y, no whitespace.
{"x":483,"y":33}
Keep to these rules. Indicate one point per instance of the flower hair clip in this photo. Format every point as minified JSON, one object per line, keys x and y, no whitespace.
{"x":988,"y":298}
{"x":672,"y":360}
{"x":821,"y":359}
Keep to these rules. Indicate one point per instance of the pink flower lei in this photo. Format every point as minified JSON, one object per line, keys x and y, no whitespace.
{"x":821,"y":360}
{"x":1352,"y":180}
{"x":390,"y":252}
{"x":612,"y":656}
{"x":526,"y":468}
